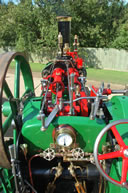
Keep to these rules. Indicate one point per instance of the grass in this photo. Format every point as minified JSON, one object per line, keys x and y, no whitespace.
{"x":108,"y":76}
{"x":35,"y":67}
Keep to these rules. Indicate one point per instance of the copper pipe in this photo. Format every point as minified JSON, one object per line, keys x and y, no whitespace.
{"x":29,"y":166}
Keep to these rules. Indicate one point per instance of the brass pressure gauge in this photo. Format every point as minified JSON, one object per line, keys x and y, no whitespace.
{"x":64,"y":136}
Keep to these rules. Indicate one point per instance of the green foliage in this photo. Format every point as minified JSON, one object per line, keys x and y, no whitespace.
{"x":95,"y":21}
{"x":30,"y":27}
{"x":27,"y":27}
{"x":7,"y":29}
{"x":121,"y":42}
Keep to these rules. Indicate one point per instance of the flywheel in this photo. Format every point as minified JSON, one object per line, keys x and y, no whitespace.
{"x":15,"y":81}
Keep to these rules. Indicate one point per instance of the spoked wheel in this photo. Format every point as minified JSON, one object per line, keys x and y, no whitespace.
{"x":121,"y":153}
{"x":12,"y":95}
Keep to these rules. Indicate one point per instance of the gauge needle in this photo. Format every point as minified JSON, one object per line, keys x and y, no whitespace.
{"x":64,"y":142}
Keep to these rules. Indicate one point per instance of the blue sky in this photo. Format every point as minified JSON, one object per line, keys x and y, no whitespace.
{"x":5,"y":1}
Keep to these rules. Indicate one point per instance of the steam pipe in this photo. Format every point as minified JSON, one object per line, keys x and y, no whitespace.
{"x":119,"y":91}
{"x":68,"y":82}
{"x":71,"y":92}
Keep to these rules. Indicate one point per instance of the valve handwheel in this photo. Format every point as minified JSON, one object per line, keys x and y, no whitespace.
{"x":122,"y":153}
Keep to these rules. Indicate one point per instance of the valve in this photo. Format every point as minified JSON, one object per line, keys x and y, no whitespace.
{"x":48,"y":154}
{"x":78,"y":154}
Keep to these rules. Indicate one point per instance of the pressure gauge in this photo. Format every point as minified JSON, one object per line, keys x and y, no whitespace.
{"x":64,"y":136}
{"x":64,"y":139}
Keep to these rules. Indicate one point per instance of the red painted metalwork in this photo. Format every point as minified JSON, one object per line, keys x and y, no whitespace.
{"x":57,"y":76}
{"x":57,"y":87}
{"x":78,"y":61}
{"x":84,"y":105}
{"x":66,"y":107}
{"x":106,"y":91}
{"x":76,"y":73}
{"x":92,"y":94}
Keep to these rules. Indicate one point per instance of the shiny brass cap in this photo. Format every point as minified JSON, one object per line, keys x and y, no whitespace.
{"x":63,"y":18}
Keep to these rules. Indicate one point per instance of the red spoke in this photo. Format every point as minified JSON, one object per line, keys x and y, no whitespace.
{"x":117,"y":136}
{"x":110,"y":155}
{"x":124,"y":170}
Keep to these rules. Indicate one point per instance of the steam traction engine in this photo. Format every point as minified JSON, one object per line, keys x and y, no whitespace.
{"x":69,"y":139}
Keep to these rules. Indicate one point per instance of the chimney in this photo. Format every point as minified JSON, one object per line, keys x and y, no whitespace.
{"x":64,"y":27}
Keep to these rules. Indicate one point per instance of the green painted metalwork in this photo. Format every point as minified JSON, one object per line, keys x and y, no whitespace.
{"x":16,"y":91}
{"x":7,"y":123}
{"x":118,"y":107}
{"x":26,"y":73}
{"x":11,"y":106}
{"x":6,"y":181}
{"x":86,"y":129}
{"x":14,"y":136}
{"x":9,"y":109}
{"x":6,"y":109}
{"x":17,"y":80}
{"x":115,"y":173}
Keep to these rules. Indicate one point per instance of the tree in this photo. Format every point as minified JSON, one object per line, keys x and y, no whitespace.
{"x":7,"y":26}
{"x":98,"y":20}
{"x":32,"y":26}
{"x":121,"y":40}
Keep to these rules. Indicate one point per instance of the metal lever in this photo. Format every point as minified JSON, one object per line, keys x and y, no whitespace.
{"x":46,"y":123}
{"x":13,"y":157}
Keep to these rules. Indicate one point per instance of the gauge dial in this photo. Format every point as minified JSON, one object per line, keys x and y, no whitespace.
{"x":64,"y":139}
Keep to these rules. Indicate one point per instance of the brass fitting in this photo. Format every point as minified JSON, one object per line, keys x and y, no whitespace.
{"x":76,"y":43}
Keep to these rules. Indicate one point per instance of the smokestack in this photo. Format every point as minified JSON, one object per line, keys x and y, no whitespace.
{"x":64,"y":26}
